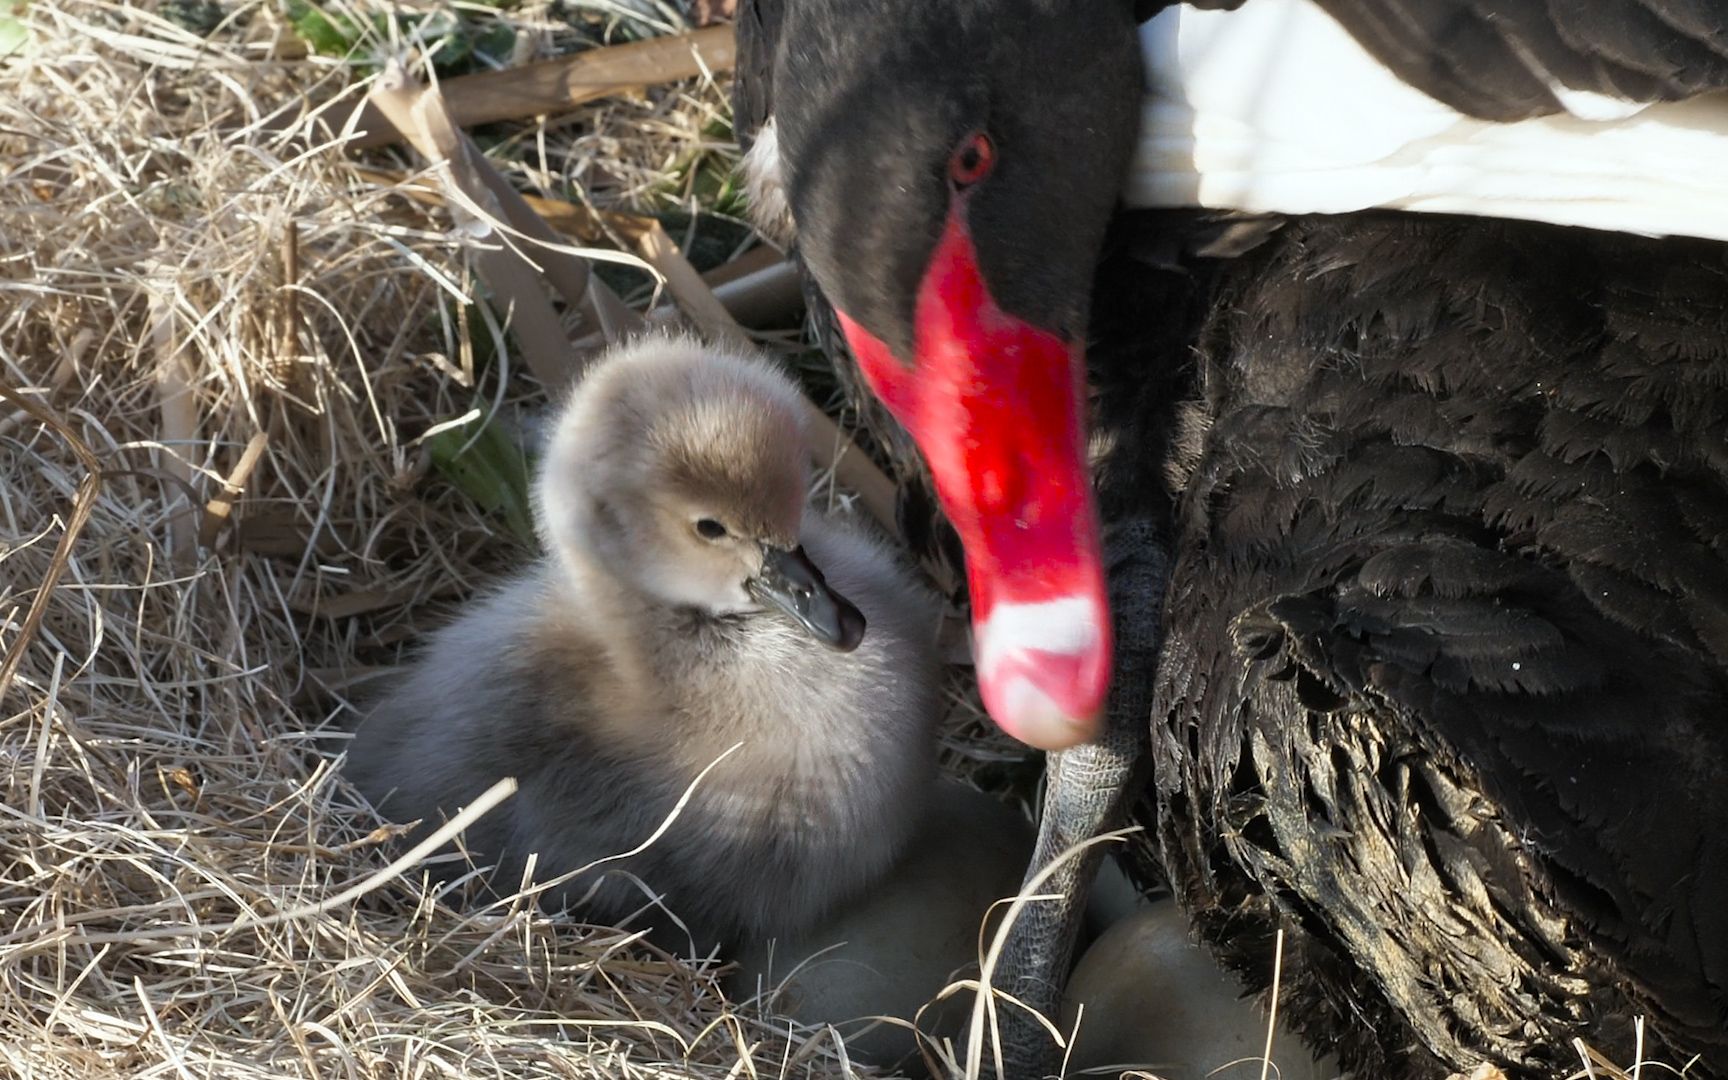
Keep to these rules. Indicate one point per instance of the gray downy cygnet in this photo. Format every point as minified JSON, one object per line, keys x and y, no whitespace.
{"x":691,"y":601}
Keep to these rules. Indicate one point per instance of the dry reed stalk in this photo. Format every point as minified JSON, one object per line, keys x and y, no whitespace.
{"x":179,"y":419}
{"x":290,"y":329}
{"x":577,"y":222}
{"x":759,"y":288}
{"x":477,"y":204}
{"x":767,"y":297}
{"x":555,"y":86}
{"x":219,"y":509}
{"x":687,"y":287}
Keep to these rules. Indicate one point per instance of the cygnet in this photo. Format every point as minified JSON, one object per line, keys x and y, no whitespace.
{"x":691,"y":601}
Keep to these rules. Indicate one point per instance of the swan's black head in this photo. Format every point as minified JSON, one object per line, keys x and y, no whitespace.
{"x":951,"y":166}
{"x":879,"y":106}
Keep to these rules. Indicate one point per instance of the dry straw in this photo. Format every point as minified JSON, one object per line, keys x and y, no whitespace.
{"x":221,"y":349}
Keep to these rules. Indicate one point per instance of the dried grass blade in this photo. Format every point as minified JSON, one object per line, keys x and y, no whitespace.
{"x":515,"y":288}
{"x":605,"y":317}
{"x":570,"y":274}
{"x":984,"y":1006}
{"x":83,"y":502}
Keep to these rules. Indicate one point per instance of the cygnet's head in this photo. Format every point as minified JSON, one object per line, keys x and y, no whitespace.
{"x":682,"y":469}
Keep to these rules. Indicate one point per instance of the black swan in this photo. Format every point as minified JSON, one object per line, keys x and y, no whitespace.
{"x":1434,"y":524}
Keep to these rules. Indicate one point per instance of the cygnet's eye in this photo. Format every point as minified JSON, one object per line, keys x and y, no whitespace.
{"x":709,"y":529}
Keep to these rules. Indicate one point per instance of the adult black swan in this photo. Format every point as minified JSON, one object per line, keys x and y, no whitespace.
{"x":1445,"y":688}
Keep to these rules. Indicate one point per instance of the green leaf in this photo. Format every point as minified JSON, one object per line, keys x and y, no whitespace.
{"x":324,"y":34}
{"x":14,"y":34}
{"x":490,"y":468}
{"x":448,"y":43}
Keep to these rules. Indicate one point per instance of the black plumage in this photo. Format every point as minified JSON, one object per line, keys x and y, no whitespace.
{"x":1461,"y":729}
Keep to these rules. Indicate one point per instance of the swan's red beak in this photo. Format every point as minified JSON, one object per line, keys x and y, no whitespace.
{"x":994,"y":403}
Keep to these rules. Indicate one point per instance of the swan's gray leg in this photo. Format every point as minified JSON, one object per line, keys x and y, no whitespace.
{"x":1088,"y":790}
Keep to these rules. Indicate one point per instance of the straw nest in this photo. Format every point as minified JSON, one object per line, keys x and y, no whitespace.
{"x":227,"y":357}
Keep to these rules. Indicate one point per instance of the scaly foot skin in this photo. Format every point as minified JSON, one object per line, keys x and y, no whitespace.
{"x":1088,"y":791}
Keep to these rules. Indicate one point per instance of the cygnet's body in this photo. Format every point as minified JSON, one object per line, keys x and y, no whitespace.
{"x":677,"y":616}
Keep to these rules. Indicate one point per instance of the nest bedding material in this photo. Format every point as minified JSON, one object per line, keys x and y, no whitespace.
{"x":229,"y":352}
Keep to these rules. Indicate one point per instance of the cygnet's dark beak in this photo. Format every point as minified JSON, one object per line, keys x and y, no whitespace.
{"x":790,"y":582}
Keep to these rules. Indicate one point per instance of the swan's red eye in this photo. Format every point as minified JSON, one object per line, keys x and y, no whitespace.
{"x":973,"y":160}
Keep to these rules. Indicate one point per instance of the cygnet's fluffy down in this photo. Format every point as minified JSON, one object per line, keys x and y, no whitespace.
{"x":676,"y":616}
